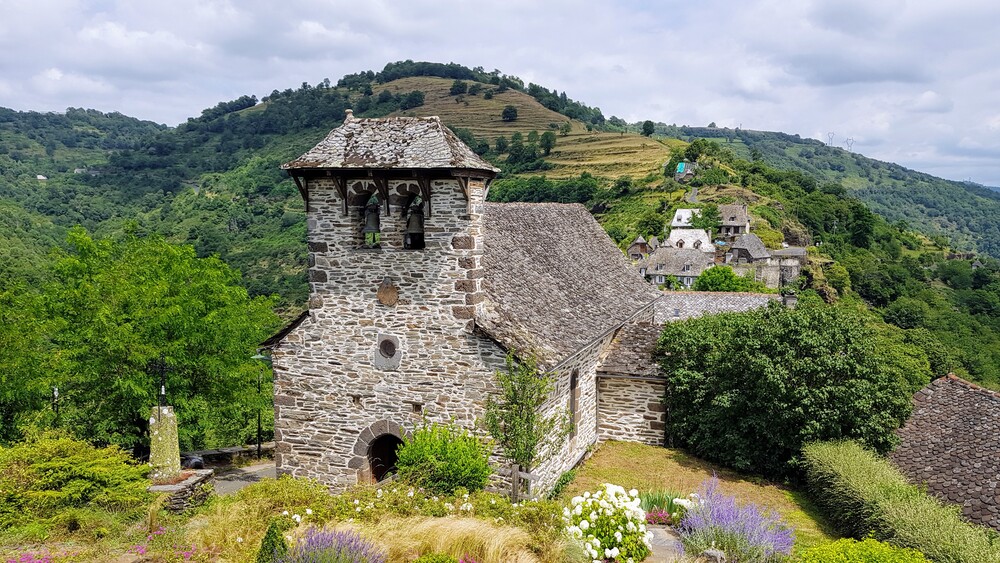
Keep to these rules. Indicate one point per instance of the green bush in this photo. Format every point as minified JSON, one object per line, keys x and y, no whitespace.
{"x":776,"y":378}
{"x":436,"y":558}
{"x":273,"y":547}
{"x":868,"y":551}
{"x":862,"y":493}
{"x":54,"y":476}
{"x":443,"y":458}
{"x":561,"y":483}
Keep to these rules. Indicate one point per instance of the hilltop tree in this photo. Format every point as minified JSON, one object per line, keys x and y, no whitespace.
{"x":648,"y":127}
{"x":547,"y":142}
{"x":509,"y":113}
{"x":458,"y":87}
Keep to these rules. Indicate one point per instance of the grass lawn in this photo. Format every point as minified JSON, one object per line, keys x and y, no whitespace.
{"x":650,"y":468}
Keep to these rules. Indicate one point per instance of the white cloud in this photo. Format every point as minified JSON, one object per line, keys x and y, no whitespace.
{"x":909,"y":81}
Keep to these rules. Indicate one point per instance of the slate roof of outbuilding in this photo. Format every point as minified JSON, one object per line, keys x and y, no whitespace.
{"x":391,"y":142}
{"x":753,"y":245}
{"x":951,"y":443}
{"x":554,"y":280}
{"x":632,"y":349}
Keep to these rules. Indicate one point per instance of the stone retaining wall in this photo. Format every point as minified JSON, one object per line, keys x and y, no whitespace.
{"x":189,"y":493}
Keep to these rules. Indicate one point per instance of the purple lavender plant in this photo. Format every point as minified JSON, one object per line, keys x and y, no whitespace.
{"x":320,"y":546}
{"x":746,"y":533}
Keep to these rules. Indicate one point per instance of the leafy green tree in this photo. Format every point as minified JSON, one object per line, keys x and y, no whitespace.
{"x":708,"y":219}
{"x":509,"y":113}
{"x":532,"y":137}
{"x":648,"y":127}
{"x":906,"y":312}
{"x":412,"y":100}
{"x":547,"y":142}
{"x":458,"y":87}
{"x":501,"y":144}
{"x":119,"y":306}
{"x":651,"y":224}
{"x":723,"y":278}
{"x":513,"y":415}
{"x":565,"y":128}
{"x":777,"y":378}
{"x":26,"y":362}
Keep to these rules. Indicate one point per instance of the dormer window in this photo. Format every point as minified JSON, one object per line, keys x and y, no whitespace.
{"x":680,"y":244}
{"x":372,"y":230}
{"x":686,"y":268}
{"x":697,"y":244}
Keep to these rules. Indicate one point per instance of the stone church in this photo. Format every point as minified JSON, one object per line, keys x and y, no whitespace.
{"x":418,"y":290}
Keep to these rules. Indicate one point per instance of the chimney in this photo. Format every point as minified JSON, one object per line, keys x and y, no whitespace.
{"x":349,"y":114}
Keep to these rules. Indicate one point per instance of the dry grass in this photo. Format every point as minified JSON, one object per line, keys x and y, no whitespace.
{"x":609,"y":155}
{"x":650,"y":468}
{"x":408,"y":538}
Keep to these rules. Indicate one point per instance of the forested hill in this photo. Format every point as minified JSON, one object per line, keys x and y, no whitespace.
{"x":967,"y":214}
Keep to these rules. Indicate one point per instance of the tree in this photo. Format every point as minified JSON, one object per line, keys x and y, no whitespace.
{"x":547,"y":142}
{"x":458,"y":87}
{"x":708,"y":219}
{"x":513,"y":416}
{"x":532,"y":137}
{"x":501,"y":144}
{"x":26,"y":362}
{"x":120,"y":306}
{"x":509,"y":113}
{"x":565,"y":128}
{"x":412,"y":100}
{"x":723,"y":278}
{"x":651,"y":224}
{"x":750,"y":389}
{"x":648,"y":127}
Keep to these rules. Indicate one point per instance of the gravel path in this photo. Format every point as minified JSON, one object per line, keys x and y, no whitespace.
{"x":666,"y":545}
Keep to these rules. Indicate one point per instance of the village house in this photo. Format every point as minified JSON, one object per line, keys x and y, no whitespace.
{"x":735,"y":221}
{"x":639,"y":249}
{"x":418,"y":291}
{"x":685,"y":264}
{"x":951,"y":446}
{"x":773,"y":268}
{"x":685,"y":171}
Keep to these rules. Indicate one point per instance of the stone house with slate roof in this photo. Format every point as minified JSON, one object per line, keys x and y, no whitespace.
{"x":685,"y":264}
{"x":397,"y":333}
{"x":735,"y":220}
{"x":951,"y":444}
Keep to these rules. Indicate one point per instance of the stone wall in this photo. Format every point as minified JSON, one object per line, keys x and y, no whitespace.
{"x":773,"y":273}
{"x":631,"y":409}
{"x":332,"y":383}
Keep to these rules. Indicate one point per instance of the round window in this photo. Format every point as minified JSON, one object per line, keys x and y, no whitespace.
{"x":387,"y":348}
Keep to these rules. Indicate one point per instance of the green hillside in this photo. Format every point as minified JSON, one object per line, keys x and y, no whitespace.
{"x":214,"y":182}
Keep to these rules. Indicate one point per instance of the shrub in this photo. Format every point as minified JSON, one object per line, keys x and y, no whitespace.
{"x":868,"y":551}
{"x":320,"y":546}
{"x":561,"y":483}
{"x":45,"y":476}
{"x":443,"y":458}
{"x":861,"y":493}
{"x":611,"y":524}
{"x":273,"y":547}
{"x":776,"y":378}
{"x":744,"y":532}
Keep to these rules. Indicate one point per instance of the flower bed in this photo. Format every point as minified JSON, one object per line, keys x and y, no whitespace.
{"x":611,"y":524}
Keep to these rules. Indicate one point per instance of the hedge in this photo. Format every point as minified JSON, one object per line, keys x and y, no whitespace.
{"x":864,"y":494}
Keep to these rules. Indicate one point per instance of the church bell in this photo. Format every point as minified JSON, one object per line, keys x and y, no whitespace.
{"x":372,"y":221}
{"x":415,"y":222}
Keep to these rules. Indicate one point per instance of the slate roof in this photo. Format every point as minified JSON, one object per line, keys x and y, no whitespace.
{"x":733,"y":215}
{"x":554,"y":281}
{"x":752,"y":244}
{"x":391,"y":142}
{"x":631,"y":352}
{"x":672,"y":261}
{"x":790,"y":252}
{"x":951,"y":443}
{"x":632,"y":349}
{"x":682,"y":217}
{"x":690,"y":236}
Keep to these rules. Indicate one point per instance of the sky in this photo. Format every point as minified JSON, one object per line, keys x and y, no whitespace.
{"x":912,"y":82}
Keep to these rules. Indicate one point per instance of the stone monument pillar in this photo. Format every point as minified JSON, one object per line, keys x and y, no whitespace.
{"x":164,"y":451}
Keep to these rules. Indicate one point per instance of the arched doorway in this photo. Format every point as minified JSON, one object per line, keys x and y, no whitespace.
{"x":382,"y":456}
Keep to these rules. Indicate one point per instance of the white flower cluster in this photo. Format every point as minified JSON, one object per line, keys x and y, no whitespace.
{"x":692,"y":501}
{"x":605,"y":522}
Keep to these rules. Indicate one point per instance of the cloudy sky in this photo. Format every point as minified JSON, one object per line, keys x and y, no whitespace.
{"x":913,"y":82}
